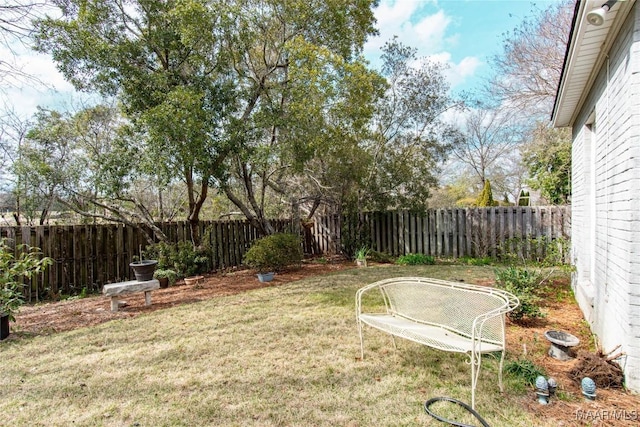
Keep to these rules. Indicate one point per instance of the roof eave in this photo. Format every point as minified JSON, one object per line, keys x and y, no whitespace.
{"x":572,"y":92}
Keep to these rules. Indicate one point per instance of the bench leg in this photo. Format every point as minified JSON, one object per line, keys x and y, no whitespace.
{"x":361,"y":340}
{"x":114,"y":303}
{"x":500,"y":372}
{"x":147,"y":297}
{"x":476,"y":360}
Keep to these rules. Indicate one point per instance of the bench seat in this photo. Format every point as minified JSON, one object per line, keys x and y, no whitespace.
{"x":114,"y":290}
{"x":429,"y":335}
{"x":448,"y":316}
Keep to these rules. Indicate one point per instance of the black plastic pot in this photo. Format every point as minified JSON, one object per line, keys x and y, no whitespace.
{"x":143,"y":270}
{"x":4,"y":326}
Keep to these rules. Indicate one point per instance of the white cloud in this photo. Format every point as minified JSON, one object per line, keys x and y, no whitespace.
{"x":431,"y":32}
{"x":457,"y":73}
{"x":48,"y":88}
{"x":423,"y":26}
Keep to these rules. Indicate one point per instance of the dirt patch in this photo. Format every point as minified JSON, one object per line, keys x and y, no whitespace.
{"x":613,"y":407}
{"x":53,"y":317}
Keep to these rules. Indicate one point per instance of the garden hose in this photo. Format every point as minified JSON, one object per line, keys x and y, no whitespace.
{"x":431,"y":401}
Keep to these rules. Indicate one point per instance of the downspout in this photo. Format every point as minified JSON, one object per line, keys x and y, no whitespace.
{"x":607,"y":186}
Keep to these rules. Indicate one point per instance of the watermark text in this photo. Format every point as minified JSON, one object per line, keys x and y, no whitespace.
{"x":607,"y":415}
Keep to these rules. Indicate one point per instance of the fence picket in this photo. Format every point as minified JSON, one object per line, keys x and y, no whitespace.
{"x":93,"y":255}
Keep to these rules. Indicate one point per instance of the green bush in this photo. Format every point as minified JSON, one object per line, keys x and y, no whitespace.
{"x":274,"y":253}
{"x":182,"y":257}
{"x":542,"y":250}
{"x":170,"y":275}
{"x":524,"y":284}
{"x":13,"y":271}
{"x":416,"y":259}
{"x":485,"y":198}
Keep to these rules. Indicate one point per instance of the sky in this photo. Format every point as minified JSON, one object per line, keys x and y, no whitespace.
{"x":464,"y":34}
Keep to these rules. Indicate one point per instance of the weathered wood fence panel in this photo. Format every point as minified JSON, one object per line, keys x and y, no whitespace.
{"x":90,"y":256}
{"x":454,"y":232}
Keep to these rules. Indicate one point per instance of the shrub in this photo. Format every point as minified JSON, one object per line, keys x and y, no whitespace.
{"x":486,"y":196}
{"x":542,"y":250}
{"x":274,"y":253}
{"x":13,"y":270}
{"x":170,"y":275}
{"x":416,"y":259}
{"x":523,"y":283}
{"x":182,"y":257}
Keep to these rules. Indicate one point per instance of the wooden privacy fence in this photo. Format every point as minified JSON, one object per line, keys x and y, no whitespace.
{"x":453,"y":232}
{"x":90,"y":256}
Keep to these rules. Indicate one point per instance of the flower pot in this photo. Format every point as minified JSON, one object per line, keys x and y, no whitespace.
{"x":193,"y":280}
{"x":265,"y":277}
{"x":4,"y":326}
{"x":361,"y":262}
{"x":164,"y":282}
{"x":143,"y":270}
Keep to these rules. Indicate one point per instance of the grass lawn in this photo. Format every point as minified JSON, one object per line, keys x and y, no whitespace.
{"x":277,"y":356}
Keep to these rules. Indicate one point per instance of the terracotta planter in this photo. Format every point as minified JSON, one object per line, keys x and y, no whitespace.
{"x":193,"y":280}
{"x":4,"y":326}
{"x":143,"y":270}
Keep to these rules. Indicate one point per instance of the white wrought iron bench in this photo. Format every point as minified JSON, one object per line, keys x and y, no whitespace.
{"x":449,"y":316}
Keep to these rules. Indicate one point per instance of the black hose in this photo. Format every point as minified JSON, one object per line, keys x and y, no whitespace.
{"x":431,"y":401}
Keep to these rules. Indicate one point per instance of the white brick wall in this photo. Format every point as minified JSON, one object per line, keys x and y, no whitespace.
{"x":606,"y":201}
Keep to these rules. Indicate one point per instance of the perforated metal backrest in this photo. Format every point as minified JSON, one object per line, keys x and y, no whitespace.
{"x":440,"y":303}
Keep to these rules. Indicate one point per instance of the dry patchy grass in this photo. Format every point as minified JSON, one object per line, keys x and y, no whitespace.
{"x":277,"y":356}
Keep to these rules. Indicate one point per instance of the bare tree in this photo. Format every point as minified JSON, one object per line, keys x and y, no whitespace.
{"x":528,"y":70}
{"x":16,"y":27}
{"x":490,"y":136}
{"x":13,"y":131}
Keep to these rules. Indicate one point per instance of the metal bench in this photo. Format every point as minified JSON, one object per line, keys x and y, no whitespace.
{"x":448,"y":316}
{"x":115,"y":290}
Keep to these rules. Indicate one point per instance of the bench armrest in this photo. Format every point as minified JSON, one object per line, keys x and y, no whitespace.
{"x":362,"y":291}
{"x":511,"y":302}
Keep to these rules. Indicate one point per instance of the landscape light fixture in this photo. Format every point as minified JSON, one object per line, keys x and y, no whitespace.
{"x":596,"y":16}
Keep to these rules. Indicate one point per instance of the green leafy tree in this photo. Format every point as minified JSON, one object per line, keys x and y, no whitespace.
{"x":84,"y":162}
{"x":548,"y":158}
{"x":301,"y":140}
{"x":44,"y":162}
{"x":411,"y":139}
{"x":218,"y":88}
{"x":164,"y":62}
{"x":306,"y":103}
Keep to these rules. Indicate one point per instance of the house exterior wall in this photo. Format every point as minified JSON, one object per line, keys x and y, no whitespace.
{"x":606,"y":201}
